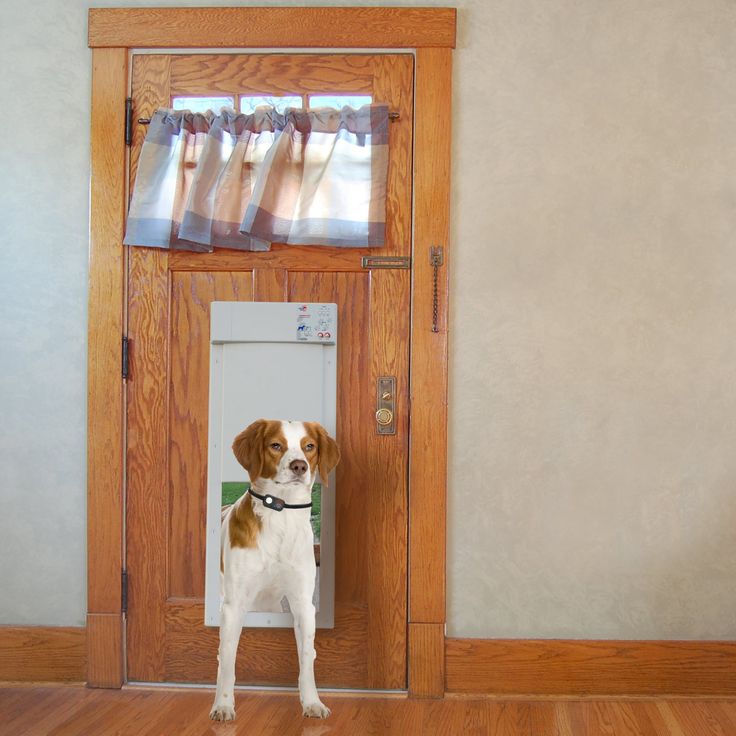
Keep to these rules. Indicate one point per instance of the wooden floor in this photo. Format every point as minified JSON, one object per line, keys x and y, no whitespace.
{"x":136,"y":711}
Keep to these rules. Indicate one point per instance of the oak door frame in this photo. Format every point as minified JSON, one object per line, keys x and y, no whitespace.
{"x":113,"y":34}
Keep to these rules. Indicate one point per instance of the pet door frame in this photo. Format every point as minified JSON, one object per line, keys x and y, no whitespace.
{"x":248,"y":334}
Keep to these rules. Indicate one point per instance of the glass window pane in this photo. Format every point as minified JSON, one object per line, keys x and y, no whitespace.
{"x":248,"y":103}
{"x":339,"y":101}
{"x":202,"y":104}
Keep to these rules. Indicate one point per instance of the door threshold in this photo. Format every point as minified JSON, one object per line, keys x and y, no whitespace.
{"x":262,"y":688}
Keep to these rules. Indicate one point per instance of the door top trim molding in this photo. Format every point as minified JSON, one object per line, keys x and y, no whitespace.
{"x":275,"y":27}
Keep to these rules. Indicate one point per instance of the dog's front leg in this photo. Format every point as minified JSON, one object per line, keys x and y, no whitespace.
{"x":231,"y":625}
{"x":303,"y":611}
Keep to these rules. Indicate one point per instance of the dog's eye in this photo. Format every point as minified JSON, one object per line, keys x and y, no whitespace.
{"x":275,"y":446}
{"x":309,"y":447}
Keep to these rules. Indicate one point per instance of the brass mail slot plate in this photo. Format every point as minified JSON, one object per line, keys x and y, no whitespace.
{"x":386,"y":262}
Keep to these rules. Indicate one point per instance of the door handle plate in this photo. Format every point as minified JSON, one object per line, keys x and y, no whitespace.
{"x":386,"y":405}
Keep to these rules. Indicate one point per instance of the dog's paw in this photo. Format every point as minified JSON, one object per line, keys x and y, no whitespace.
{"x":222,"y":713}
{"x":316,"y":710}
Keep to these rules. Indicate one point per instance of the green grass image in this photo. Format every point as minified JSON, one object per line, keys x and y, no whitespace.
{"x":232,"y":491}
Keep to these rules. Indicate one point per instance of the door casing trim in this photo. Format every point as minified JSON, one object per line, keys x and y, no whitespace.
{"x":113,"y":34}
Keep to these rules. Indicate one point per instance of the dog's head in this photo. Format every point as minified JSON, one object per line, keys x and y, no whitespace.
{"x":286,"y":453}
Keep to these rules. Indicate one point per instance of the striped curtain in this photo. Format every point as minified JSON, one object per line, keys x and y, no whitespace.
{"x":304,"y":177}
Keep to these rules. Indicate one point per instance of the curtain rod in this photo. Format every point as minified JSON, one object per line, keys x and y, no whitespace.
{"x":391,"y":116}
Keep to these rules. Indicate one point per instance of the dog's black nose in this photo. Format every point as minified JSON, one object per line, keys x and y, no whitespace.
{"x":298,"y":467}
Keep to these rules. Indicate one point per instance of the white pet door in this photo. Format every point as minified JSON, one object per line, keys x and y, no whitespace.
{"x":269,"y":360}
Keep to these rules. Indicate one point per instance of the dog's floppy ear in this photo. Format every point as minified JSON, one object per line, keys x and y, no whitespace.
{"x":328,"y":452}
{"x":248,"y":448}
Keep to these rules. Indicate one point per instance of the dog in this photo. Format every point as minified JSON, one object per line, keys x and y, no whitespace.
{"x":266,"y":548}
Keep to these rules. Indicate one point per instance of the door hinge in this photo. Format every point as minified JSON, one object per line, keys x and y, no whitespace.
{"x":124,"y":591}
{"x":128,"y":121}
{"x":125,"y":365}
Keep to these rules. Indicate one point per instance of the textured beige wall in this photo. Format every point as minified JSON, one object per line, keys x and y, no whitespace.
{"x":593,"y":388}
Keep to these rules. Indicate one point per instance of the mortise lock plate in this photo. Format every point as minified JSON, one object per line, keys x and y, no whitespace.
{"x":386,"y":405}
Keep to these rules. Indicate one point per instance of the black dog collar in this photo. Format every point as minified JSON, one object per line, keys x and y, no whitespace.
{"x":277,"y":504}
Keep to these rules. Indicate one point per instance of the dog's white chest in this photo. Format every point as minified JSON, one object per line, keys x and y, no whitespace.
{"x":286,"y":536}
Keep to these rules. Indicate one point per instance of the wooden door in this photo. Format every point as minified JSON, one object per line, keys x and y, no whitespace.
{"x":169,"y":293}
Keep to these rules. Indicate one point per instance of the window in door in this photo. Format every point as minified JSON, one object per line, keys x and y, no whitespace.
{"x":202,"y":104}
{"x":247,"y":103}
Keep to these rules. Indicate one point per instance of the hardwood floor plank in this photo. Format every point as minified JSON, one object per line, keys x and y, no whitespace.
{"x":91,"y":717}
{"x":375,"y":716}
{"x":699,"y":718}
{"x":542,"y":718}
{"x":562,"y":721}
{"x":435,"y":717}
{"x":44,"y":707}
{"x":122,"y":715}
{"x":188,"y":715}
{"x":343,"y":717}
{"x":32,"y":724}
{"x":407,"y":717}
{"x":157,"y":722}
{"x":601,"y":719}
{"x":728,"y":710}
{"x":649,"y":710}
{"x":576,"y":715}
{"x":633,"y":716}
{"x":373,"y":720}
{"x":277,"y":714}
{"x":670,"y":720}
{"x":726,"y":724}
{"x":510,"y":719}
{"x":11,"y":702}
{"x":476,"y":719}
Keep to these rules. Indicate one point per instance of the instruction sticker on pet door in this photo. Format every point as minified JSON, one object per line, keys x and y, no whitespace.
{"x":269,"y":360}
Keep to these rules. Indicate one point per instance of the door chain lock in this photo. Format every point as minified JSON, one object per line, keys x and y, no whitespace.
{"x":436,"y":259}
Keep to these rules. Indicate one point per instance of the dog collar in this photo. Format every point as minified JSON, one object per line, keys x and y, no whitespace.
{"x":277,"y":504}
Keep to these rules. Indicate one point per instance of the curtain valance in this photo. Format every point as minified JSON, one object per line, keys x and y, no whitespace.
{"x":304,"y":177}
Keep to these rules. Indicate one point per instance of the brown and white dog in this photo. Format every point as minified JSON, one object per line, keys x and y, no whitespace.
{"x":267,"y":546}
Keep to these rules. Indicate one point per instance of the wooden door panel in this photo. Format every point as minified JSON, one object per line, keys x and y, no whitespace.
{"x":388,"y":489}
{"x":274,"y":74}
{"x":265,"y":656}
{"x":168,"y":323}
{"x":269,"y":285}
{"x":351,"y":292}
{"x":146,"y":462}
{"x":170,"y":293}
{"x":191,"y":295}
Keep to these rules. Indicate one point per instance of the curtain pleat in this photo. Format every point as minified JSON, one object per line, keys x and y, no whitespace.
{"x":305,"y":177}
